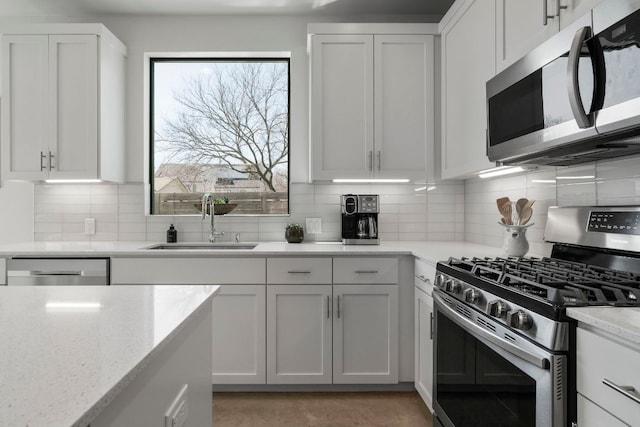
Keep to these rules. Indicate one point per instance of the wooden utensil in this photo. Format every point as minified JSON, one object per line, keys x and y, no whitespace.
{"x":521,"y":203}
{"x":525,"y":215}
{"x":501,"y":201}
{"x":506,"y":213}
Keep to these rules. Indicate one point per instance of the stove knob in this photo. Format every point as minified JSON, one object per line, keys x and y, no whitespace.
{"x":497,"y":308}
{"x":471,"y":295}
{"x":440,"y":279}
{"x":519,"y":319}
{"x":452,"y":286}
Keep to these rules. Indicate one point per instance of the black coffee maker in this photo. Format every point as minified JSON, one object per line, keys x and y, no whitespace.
{"x":360,"y":219}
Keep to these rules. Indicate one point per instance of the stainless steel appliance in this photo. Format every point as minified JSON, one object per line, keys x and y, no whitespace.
{"x":574,"y":99}
{"x":57,"y":271}
{"x":504,"y":347}
{"x":360,"y":219}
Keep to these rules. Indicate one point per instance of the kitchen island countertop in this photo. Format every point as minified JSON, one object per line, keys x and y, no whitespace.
{"x":66,"y":352}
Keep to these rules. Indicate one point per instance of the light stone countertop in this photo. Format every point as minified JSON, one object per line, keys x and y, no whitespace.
{"x":430,"y":251}
{"x":622,"y":322}
{"x":63,"y":366}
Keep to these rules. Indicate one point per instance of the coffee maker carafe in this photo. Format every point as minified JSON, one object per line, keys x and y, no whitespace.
{"x":360,"y":219}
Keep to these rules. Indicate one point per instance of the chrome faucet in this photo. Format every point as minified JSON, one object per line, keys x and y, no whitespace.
{"x":208,"y":200}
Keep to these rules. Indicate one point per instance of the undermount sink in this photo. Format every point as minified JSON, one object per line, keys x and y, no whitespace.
{"x":202,"y":246}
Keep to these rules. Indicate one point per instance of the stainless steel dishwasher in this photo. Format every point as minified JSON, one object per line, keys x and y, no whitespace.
{"x":57,"y":271}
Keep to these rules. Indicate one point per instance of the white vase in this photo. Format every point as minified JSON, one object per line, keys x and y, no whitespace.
{"x":515,"y":240}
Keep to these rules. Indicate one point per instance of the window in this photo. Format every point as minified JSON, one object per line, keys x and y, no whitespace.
{"x":221,"y":126}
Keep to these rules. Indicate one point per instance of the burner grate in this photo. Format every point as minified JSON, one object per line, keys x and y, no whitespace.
{"x":560,"y":282}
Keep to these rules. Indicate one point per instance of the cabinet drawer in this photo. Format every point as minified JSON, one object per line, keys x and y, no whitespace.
{"x":365,"y":270}
{"x":600,"y":359}
{"x":425,"y":274}
{"x":298,"y":271}
{"x":591,"y":415}
{"x":191,"y":271}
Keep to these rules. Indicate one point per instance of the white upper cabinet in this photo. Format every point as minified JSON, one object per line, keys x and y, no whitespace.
{"x":522,"y":25}
{"x":404,"y":106}
{"x":62,"y":103}
{"x":372,"y":101}
{"x":468,"y":61}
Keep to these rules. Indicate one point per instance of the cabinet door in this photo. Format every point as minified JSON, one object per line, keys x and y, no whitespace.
{"x":239,"y":336}
{"x":73,"y":80}
{"x":24,"y":106}
{"x":404,"y":106}
{"x":341,"y":106}
{"x":521,"y":27}
{"x":299,"y":334}
{"x":365,"y":334}
{"x":424,"y":346}
{"x":468,"y":61}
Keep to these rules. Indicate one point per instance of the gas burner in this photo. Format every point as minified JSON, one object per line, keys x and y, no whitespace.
{"x":557,"y":281}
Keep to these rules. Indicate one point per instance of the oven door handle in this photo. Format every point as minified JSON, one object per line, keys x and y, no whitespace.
{"x":479,"y":332}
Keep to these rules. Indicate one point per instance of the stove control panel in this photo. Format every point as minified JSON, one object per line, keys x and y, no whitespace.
{"x":615,"y":222}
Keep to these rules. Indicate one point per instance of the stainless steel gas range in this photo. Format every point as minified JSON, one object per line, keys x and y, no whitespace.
{"x":504,"y":347}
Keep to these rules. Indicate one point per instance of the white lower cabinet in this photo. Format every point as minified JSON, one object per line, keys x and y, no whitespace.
{"x":607,"y":392}
{"x":239,"y":336}
{"x":299,"y":334}
{"x":365,"y":334}
{"x":323,"y":333}
{"x":423,"y":331}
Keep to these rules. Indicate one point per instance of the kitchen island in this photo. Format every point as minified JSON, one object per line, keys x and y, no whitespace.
{"x":104,"y":355}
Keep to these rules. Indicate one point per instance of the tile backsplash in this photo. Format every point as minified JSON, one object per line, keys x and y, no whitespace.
{"x":405,"y":214}
{"x":614,"y":182}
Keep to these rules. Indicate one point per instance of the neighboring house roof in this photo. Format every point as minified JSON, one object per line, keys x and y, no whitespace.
{"x":168,"y":184}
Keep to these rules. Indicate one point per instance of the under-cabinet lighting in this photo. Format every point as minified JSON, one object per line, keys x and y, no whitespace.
{"x":544,"y":181}
{"x":72,"y":181}
{"x":433,"y":187}
{"x":369,"y":181}
{"x":502,"y":170}
{"x":79,"y":306}
{"x":576,"y":177}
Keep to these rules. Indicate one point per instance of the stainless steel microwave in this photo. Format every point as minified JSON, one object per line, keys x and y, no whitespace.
{"x":575,"y":98}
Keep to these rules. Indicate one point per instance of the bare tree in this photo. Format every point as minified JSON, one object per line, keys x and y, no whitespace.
{"x":238,"y":116}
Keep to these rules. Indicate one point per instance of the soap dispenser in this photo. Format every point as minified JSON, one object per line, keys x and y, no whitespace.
{"x":172,"y":234}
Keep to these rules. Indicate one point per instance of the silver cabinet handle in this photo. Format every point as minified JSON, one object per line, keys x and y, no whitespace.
{"x":627,"y":390}
{"x":560,"y":7}
{"x":422,"y":279}
{"x":545,"y":13}
{"x":577,"y":108}
{"x":379,"y":160}
{"x":328,"y":304}
{"x":366,"y":271}
{"x":51,"y":157}
{"x":338,"y":306}
{"x":431,"y":326}
{"x":42,"y":157}
{"x":370,"y":160}
{"x":299,"y":272}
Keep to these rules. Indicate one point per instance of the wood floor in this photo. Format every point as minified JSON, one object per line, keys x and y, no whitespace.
{"x":320,"y":409}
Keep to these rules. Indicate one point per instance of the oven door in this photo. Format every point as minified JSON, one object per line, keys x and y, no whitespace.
{"x":489,"y":376}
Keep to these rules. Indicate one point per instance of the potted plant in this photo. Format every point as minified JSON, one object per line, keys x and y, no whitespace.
{"x":294,"y":233}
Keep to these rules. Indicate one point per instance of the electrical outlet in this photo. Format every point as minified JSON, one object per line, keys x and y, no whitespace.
{"x":314,"y":225}
{"x":89,"y":226}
